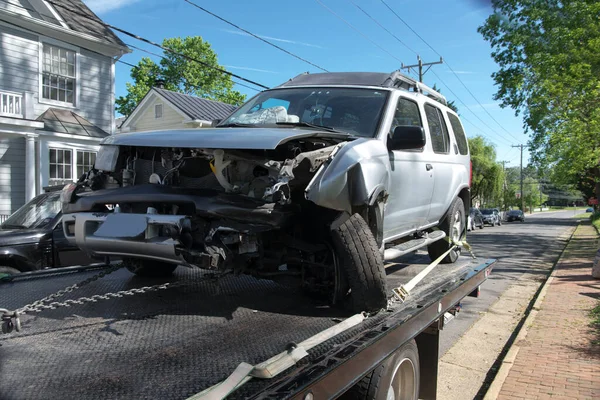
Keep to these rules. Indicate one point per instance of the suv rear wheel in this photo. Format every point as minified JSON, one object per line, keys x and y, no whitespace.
{"x":453,"y":225}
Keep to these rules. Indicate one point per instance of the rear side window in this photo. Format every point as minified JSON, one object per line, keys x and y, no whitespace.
{"x":438,"y":129}
{"x":459,"y":134}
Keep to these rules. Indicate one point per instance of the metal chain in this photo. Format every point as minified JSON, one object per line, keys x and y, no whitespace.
{"x":37,"y":305}
{"x":11,"y":319}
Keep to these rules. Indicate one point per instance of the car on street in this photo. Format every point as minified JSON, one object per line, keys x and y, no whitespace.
{"x":32,"y":238}
{"x":515,"y":215}
{"x":475,"y":219}
{"x":491,"y":216}
{"x":312,"y":180}
{"x":589,"y":210}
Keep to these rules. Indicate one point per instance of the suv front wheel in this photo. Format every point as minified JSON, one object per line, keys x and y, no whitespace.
{"x":453,"y":225}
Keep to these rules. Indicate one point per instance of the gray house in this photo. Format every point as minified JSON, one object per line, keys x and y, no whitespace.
{"x":57,"y":91}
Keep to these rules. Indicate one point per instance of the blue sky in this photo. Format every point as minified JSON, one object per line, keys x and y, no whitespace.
{"x":311,"y":31}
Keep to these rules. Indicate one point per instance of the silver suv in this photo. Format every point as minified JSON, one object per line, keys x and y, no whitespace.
{"x":318,"y":180}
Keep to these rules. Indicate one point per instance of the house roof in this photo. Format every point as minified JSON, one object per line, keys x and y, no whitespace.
{"x":81,"y":19}
{"x":65,"y":121}
{"x":195,"y":107}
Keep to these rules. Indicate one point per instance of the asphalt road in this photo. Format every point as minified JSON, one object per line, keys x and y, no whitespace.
{"x":519,"y":248}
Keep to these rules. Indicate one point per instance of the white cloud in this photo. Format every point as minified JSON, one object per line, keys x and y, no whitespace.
{"x":251,"y":69}
{"x":273,"y":38}
{"x":104,"y":6}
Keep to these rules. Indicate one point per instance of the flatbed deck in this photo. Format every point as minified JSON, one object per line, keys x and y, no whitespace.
{"x":174,"y":343}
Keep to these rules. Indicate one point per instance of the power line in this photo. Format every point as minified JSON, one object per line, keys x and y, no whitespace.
{"x":442,"y":81}
{"x":357,"y":30}
{"x":382,"y":27}
{"x":450,"y":68}
{"x":85,"y":16}
{"x":163,"y":57}
{"x":255,"y":36}
{"x":126,"y":63}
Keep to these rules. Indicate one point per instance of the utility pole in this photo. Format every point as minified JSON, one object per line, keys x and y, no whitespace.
{"x":522,"y":194}
{"x":421,"y":64}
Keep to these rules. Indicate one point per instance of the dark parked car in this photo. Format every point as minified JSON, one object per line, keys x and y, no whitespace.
{"x":515,"y":215}
{"x":32,"y":238}
{"x":476,"y":219}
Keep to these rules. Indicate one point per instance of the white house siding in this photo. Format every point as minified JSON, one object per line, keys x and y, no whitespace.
{"x":12,"y":174}
{"x":20,"y":72}
{"x":171,"y":119}
{"x":19,"y":65}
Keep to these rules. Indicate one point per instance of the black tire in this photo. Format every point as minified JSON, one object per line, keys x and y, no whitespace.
{"x":6,"y":271}
{"x":454,"y":229}
{"x":376,"y":384}
{"x":149,"y":269}
{"x":482,"y":226}
{"x":361,"y":263}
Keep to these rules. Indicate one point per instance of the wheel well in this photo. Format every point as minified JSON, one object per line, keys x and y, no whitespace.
{"x":465,"y":196}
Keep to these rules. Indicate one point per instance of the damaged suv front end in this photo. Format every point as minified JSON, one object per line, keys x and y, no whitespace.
{"x":259,"y":194}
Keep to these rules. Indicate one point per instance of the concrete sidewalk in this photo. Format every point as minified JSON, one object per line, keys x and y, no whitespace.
{"x":557,"y":354}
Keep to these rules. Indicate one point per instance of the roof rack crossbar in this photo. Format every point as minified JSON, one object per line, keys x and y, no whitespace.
{"x":401,"y":81}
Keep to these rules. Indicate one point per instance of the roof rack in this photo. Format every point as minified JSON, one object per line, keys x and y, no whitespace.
{"x":401,"y":81}
{"x":395,"y":79}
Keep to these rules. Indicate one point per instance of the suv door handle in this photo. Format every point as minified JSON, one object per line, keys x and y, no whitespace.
{"x":429,"y":167}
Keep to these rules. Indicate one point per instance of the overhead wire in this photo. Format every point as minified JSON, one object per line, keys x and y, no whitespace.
{"x":137,"y":37}
{"x":357,"y":30}
{"x":255,"y":36}
{"x":409,"y":48}
{"x":163,"y":57}
{"x":451,"y":70}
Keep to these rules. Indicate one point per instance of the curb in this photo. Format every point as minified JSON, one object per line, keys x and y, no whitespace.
{"x":509,"y":359}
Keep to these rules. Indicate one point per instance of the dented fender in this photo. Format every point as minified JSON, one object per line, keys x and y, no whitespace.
{"x":356,"y":173}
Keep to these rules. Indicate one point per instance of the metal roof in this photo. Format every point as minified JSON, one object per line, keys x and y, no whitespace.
{"x":195,"y":107}
{"x":65,"y":121}
{"x":89,"y":24}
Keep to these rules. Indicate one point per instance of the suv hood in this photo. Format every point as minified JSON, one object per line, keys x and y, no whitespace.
{"x":13,"y":237}
{"x":220,"y":138}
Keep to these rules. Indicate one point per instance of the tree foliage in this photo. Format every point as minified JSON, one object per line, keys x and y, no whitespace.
{"x":488,"y":177}
{"x":181,"y":75}
{"x":548,"y":52}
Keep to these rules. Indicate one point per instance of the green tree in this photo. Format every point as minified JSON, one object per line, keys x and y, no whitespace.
{"x":488,"y":177}
{"x":181,"y":75}
{"x":548,"y":52}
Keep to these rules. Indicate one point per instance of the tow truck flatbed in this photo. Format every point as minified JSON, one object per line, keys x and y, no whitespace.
{"x":177,"y":342}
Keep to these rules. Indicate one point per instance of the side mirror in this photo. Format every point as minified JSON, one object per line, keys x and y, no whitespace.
{"x":407,"y":138}
{"x":215,"y":122}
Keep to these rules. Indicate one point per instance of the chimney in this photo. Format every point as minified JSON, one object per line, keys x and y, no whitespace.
{"x":159,"y":83}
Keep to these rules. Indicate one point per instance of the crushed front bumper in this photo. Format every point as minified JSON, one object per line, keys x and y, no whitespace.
{"x":147,"y":236}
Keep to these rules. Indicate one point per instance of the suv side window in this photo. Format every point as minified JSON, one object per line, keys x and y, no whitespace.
{"x":438,"y":129}
{"x":407,"y":114}
{"x":459,"y":134}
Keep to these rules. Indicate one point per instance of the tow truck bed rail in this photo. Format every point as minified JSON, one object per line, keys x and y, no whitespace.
{"x":177,"y":342}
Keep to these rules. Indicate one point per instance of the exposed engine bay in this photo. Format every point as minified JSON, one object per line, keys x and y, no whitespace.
{"x":242,"y":211}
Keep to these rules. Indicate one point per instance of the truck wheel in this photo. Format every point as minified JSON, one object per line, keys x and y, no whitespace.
{"x":8,"y":271}
{"x":362,"y":265}
{"x":395,"y":378}
{"x":454,"y":225}
{"x":149,"y":269}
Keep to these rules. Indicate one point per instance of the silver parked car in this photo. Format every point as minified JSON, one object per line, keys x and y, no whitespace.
{"x":319,"y":179}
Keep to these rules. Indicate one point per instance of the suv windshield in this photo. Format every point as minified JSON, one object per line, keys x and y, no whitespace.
{"x":487,"y":212}
{"x":514,"y":212}
{"x":355,"y":111}
{"x":36,"y":214}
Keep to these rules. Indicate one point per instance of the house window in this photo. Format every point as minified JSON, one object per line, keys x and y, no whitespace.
{"x":158,"y":109}
{"x":61,"y":166}
{"x":85,"y":161}
{"x":58,"y":74}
